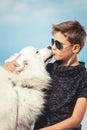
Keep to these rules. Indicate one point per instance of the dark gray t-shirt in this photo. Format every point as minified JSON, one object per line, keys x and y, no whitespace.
{"x":68,"y":84}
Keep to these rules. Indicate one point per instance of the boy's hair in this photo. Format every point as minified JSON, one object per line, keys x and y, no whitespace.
{"x":73,"y":31}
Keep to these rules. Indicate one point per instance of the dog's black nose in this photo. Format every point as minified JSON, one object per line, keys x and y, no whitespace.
{"x":49,"y":47}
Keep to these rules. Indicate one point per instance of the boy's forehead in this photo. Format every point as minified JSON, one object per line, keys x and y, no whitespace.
{"x":61,"y":38}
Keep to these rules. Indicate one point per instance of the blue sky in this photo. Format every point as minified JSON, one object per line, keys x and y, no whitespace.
{"x":29,"y":22}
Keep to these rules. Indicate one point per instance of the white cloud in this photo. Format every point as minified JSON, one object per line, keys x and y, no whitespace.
{"x":4,"y":4}
{"x":42,"y":15}
{"x":11,"y":18}
{"x":75,"y":4}
{"x":20,"y":7}
{"x":14,"y":11}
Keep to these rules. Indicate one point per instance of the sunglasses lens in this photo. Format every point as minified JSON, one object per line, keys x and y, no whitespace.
{"x":52,"y":41}
{"x":57,"y":43}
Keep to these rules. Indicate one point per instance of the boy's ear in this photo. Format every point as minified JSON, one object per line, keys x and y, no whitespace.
{"x":76,"y":48}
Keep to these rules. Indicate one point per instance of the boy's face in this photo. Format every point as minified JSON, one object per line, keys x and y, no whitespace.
{"x":65,"y":51}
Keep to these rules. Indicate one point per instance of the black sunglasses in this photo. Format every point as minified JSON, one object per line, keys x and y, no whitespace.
{"x":57,"y":43}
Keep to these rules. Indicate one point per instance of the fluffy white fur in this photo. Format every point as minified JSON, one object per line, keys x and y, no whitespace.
{"x":21,"y":96}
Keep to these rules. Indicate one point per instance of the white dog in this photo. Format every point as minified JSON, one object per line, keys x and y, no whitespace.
{"x":21,"y":96}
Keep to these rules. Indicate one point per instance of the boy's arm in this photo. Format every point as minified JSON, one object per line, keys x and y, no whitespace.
{"x":76,"y":118}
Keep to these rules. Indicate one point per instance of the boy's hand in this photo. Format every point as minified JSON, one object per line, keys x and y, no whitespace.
{"x":11,"y":65}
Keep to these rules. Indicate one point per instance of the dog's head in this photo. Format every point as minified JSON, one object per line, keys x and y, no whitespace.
{"x":33,"y":58}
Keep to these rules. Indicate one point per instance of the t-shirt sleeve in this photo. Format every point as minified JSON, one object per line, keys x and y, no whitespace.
{"x":82,"y":90}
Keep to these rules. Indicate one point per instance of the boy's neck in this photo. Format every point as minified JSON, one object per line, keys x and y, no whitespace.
{"x":73,"y":61}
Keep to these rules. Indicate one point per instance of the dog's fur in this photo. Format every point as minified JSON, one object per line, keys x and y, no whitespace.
{"x":21,"y":96}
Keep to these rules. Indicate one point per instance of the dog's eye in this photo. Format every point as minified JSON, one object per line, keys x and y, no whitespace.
{"x":37,"y":51}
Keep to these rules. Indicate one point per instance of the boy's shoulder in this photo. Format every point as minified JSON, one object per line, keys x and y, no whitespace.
{"x":84,"y":76}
